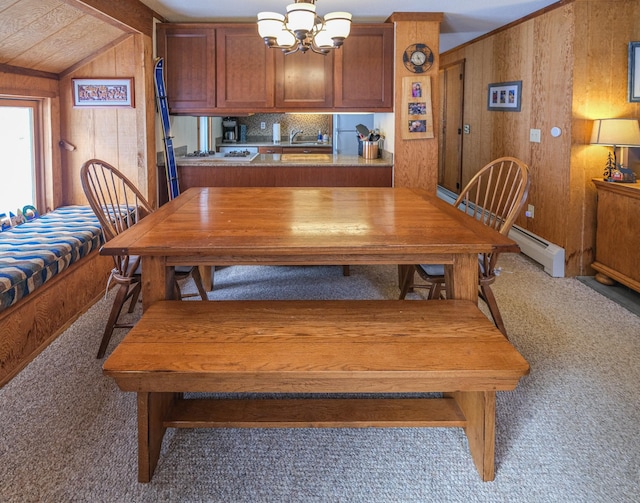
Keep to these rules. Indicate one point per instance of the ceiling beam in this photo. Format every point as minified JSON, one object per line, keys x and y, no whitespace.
{"x":130,"y":15}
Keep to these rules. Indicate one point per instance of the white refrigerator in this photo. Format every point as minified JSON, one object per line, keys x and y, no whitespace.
{"x":345,"y":136}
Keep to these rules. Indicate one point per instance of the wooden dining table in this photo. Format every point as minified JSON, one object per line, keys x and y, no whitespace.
{"x":287,"y":347}
{"x":307,"y":226}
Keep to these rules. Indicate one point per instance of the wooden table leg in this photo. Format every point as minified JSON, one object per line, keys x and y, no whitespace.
{"x":461,"y":278}
{"x":479,"y":408}
{"x":158,"y":281}
{"x":152,"y":410}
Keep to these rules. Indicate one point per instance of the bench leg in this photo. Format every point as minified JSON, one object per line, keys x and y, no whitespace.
{"x":153,"y":408}
{"x":479,"y":408}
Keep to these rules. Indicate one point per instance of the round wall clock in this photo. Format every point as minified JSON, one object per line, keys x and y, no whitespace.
{"x":418,"y":58}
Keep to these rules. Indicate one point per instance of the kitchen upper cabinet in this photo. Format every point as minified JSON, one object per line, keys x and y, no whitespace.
{"x":189,"y":61}
{"x":245,"y":70}
{"x":304,"y":81}
{"x":226,"y":69}
{"x":363,"y":75}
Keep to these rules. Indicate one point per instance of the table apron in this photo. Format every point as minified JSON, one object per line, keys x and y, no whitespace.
{"x":284,"y":260}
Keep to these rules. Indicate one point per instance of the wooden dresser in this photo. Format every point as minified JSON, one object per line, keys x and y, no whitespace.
{"x":618,"y":233}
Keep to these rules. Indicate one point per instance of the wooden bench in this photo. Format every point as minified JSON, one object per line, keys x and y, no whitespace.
{"x":50,"y":273}
{"x":336,"y":347}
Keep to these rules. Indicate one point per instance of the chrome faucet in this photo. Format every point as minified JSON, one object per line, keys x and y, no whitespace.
{"x":293,"y":134}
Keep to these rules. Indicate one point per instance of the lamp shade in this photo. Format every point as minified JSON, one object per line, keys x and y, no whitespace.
{"x":285,"y":38}
{"x":616,"y":132}
{"x":338,"y":24}
{"x":301,"y":16}
{"x":270,"y":24}
{"x":322,"y":39}
{"x":301,"y":29}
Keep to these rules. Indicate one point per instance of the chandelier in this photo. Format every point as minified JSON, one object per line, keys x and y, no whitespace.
{"x":302,"y":29}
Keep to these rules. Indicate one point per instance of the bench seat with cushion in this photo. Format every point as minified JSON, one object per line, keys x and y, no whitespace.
{"x":33,"y":253}
{"x":51,"y":271}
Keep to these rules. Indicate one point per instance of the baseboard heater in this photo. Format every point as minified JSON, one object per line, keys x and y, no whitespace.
{"x":547,"y":254}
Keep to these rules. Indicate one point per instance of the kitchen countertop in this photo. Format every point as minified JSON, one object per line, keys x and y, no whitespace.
{"x":288,"y":160}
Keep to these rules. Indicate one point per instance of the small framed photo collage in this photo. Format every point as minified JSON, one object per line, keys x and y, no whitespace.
{"x":505,"y":96}
{"x":417,"y":115}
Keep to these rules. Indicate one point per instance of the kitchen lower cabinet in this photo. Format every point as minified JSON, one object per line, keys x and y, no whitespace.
{"x":295,"y":150}
{"x":617,"y":236}
{"x":285,"y":176}
{"x":270,"y":150}
{"x":276,"y":176}
{"x":307,"y":150}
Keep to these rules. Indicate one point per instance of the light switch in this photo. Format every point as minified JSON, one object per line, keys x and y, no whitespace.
{"x":534,"y":135}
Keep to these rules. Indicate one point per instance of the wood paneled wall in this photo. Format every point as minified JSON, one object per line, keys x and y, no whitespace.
{"x":416,"y":161}
{"x":603,"y":30}
{"x":572,"y":63}
{"x":124,"y":137}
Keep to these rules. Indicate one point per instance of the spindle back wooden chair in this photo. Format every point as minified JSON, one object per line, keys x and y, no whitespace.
{"x":495,"y":195}
{"x":118,"y":205}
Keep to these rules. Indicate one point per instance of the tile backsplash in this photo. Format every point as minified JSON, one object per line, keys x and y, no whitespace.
{"x":185,"y":130}
{"x":308,"y":123}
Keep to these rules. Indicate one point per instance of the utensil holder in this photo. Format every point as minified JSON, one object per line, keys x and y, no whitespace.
{"x":369,"y":149}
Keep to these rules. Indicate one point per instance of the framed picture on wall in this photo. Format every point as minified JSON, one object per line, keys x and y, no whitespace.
{"x":634,"y":71}
{"x":505,"y":96}
{"x":416,"y":114}
{"x":103,"y":92}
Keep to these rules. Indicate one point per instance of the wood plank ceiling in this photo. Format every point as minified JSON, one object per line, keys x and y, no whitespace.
{"x":51,"y":36}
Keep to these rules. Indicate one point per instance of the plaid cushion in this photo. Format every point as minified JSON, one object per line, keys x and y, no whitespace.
{"x":34,"y":252}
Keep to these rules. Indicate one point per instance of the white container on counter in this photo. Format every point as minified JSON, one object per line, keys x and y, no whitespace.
{"x":276,"y":133}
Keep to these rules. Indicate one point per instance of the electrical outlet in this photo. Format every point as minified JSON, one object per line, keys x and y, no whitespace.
{"x":263,"y":125}
{"x":534,"y":135}
{"x":530,"y":211}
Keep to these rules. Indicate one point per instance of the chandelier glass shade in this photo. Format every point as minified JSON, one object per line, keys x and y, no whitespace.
{"x":301,"y":29}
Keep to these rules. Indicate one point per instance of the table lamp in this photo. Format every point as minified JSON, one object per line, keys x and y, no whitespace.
{"x":615,"y":133}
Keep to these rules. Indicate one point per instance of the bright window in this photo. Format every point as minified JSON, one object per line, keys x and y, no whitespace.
{"x":18,"y":165}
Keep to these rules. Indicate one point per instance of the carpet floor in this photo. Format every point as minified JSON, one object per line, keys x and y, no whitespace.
{"x":568,"y":433}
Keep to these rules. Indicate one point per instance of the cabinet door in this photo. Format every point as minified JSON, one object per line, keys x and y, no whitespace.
{"x":307,"y":150}
{"x":245,"y":70}
{"x":189,"y":57}
{"x":270,"y":150}
{"x":364,"y":69}
{"x":617,"y":239}
{"x":304,"y":81}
